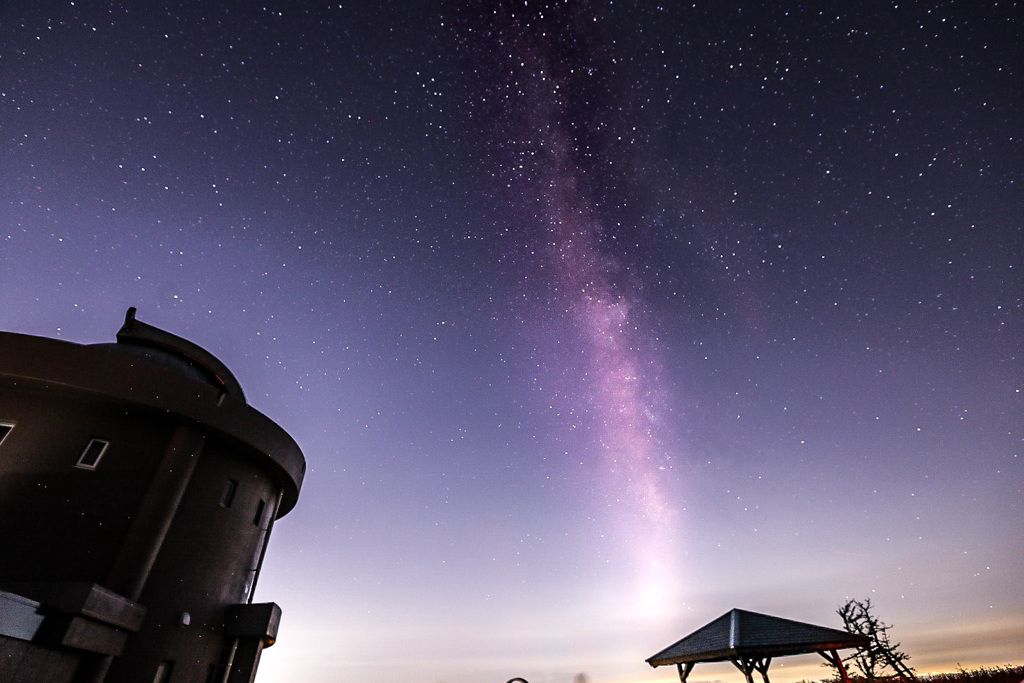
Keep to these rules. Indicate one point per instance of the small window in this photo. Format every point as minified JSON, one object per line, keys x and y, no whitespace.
{"x":227,"y":496}
{"x":163,"y":672}
{"x":258,"y":518}
{"x":90,"y":457}
{"x":5,"y":429}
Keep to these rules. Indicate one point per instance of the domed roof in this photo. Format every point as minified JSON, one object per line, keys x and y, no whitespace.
{"x":153,"y":345}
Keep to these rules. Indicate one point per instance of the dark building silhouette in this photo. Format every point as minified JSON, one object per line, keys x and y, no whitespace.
{"x":137,"y":494}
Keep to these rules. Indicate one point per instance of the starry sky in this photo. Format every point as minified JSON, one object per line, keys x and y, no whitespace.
{"x":594,"y":320}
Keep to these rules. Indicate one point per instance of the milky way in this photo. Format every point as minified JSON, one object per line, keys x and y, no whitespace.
{"x":557,"y":163}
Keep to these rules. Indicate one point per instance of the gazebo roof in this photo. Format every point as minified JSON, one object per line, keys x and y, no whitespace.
{"x":739,"y":634}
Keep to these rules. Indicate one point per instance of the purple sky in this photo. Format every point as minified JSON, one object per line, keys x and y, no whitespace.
{"x":594,"y":320}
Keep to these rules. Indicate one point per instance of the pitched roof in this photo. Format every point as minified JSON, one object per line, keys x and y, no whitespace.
{"x":739,"y":633}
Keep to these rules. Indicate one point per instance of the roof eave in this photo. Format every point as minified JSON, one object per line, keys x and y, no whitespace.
{"x":757,"y":651}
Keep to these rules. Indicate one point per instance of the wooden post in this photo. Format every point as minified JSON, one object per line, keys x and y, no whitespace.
{"x":836,"y":661}
{"x":746,"y":666}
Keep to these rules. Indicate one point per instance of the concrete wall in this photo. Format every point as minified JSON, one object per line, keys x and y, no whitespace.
{"x":141,"y":562}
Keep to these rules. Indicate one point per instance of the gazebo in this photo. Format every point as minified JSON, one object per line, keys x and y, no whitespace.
{"x":750,"y":641}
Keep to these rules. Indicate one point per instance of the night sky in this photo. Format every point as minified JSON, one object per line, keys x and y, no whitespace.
{"x":594,"y":320}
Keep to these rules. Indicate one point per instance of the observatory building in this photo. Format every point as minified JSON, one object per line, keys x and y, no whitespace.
{"x":138,"y":491}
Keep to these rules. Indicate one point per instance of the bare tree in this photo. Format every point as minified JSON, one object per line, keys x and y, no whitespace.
{"x":871,"y":661}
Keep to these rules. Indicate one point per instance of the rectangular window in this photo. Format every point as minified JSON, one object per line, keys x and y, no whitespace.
{"x":258,"y":518}
{"x":90,"y":457}
{"x":163,"y":672}
{"x":227,"y":496}
{"x":5,"y":429}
